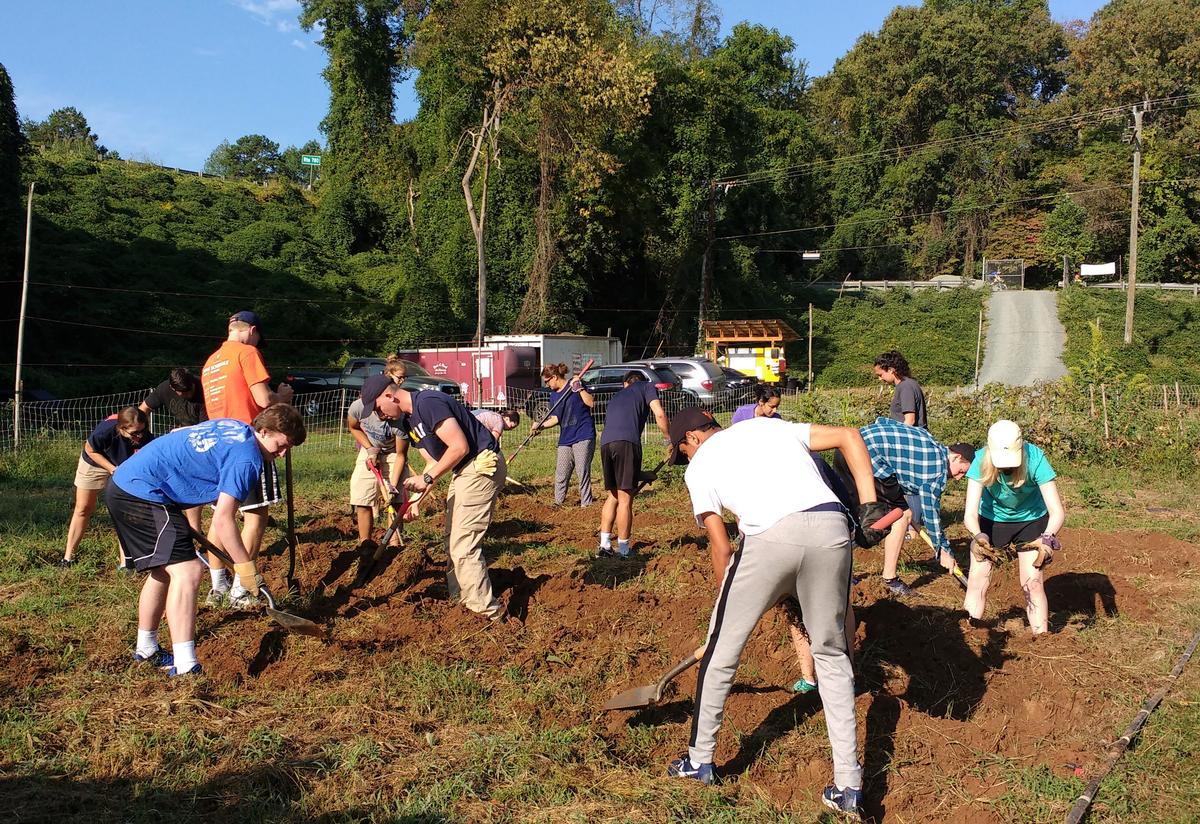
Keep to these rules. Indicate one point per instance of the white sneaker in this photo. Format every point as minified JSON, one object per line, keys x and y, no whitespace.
{"x":217,"y":598}
{"x":244,"y":601}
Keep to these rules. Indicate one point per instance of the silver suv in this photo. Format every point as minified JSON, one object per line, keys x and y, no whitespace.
{"x":699,"y":375}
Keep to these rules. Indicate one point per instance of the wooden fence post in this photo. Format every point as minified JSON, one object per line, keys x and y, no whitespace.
{"x":1164,"y":387}
{"x":1178,"y":402}
{"x":1092,"y":400}
{"x":1104,"y":404}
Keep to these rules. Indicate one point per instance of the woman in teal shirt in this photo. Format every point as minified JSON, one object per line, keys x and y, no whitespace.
{"x":1012,"y":499}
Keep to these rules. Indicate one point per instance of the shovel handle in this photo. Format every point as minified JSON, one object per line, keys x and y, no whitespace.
{"x":210,"y":547}
{"x":534,"y":431}
{"x":675,"y":672}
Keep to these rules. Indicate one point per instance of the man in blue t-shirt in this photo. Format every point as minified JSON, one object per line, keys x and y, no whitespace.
{"x":453,"y":442}
{"x":621,"y":457}
{"x":219,"y":462}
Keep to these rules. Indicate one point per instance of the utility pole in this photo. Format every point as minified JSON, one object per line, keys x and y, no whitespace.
{"x":706,"y":265}
{"x":18,"y":395}
{"x":1131,"y":285}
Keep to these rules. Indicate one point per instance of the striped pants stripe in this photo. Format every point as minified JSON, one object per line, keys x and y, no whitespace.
{"x":576,"y":457}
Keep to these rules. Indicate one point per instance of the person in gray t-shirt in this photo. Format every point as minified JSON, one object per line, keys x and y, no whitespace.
{"x":908,"y":401}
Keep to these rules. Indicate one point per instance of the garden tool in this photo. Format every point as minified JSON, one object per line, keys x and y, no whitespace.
{"x":651,"y":694}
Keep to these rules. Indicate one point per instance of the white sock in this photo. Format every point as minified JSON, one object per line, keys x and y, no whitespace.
{"x":185,"y":655}
{"x":606,"y":540}
{"x":237,"y":589}
{"x":623,"y":546}
{"x":220,"y":579}
{"x":147,"y":642}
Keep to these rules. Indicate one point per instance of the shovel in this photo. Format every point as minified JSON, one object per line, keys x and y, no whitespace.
{"x":290,"y":580}
{"x":649,"y":480}
{"x":292,"y":623}
{"x":651,"y":694}
{"x":367,"y":565}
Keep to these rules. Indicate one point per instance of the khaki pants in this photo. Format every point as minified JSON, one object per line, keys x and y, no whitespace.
{"x":470,"y":502}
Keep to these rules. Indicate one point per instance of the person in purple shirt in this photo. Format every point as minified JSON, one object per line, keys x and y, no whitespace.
{"x":621,"y":457}
{"x":766,"y":405}
{"x":111,"y":443}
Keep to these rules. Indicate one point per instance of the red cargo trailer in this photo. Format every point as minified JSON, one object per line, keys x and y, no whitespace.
{"x":484,"y":374}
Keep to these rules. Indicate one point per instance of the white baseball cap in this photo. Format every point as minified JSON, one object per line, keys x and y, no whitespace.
{"x":1005,"y":444}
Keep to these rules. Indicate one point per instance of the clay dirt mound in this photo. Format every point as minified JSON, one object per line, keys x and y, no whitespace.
{"x":935,"y":694}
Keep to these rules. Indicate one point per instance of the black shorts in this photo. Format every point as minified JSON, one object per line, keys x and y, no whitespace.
{"x":152,"y":535}
{"x":1003,"y":533}
{"x":887,"y":490}
{"x":621,"y":461}
{"x":266,"y":491}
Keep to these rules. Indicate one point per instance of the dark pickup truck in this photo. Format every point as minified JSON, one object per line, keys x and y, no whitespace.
{"x":315,"y":388}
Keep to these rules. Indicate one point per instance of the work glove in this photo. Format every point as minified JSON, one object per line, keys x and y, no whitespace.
{"x":485,"y":463}
{"x":982,"y":549}
{"x":248,"y":576}
{"x":869,"y":514}
{"x":646,"y":476}
{"x":1044,"y":547}
{"x":577,"y":385}
{"x":373,"y":456}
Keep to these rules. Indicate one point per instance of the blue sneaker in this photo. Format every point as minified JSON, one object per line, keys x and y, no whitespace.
{"x":898,"y":588}
{"x":173,"y":673}
{"x":605,"y":552}
{"x":159,"y":658}
{"x":847,"y":801}
{"x":684,"y":768}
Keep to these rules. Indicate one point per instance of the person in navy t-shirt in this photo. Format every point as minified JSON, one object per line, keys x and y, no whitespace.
{"x":572,"y":406}
{"x":621,"y":457}
{"x":453,"y":442}
{"x":111,"y":443}
{"x":218,"y":461}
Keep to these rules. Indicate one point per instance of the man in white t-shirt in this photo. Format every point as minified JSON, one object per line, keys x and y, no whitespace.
{"x":796,"y":540}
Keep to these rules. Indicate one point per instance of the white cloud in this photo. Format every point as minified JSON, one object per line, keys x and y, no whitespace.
{"x":281,"y":14}
{"x":300,"y":44}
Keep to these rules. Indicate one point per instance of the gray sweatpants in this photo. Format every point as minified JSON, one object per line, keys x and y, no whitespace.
{"x":807,"y":554}
{"x":577,"y":456}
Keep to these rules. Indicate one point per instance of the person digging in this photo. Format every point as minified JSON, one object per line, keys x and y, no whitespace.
{"x":795,"y":539}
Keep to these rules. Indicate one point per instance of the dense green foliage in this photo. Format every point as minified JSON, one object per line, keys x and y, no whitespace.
{"x":1165,"y":344}
{"x":628,"y":170}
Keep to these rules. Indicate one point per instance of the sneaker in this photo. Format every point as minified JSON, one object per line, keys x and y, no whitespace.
{"x":159,"y":658}
{"x":804,"y":685}
{"x":174,"y":673}
{"x":65,"y":563}
{"x":244,"y":601}
{"x":684,"y":768}
{"x":847,"y":801}
{"x":898,"y":587}
{"x":605,"y":552}
{"x":217,"y":598}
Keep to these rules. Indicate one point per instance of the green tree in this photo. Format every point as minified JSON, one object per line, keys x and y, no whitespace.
{"x":64,"y":130}
{"x":292,"y":169}
{"x":252,"y":156}
{"x":1066,"y":233}
{"x":12,"y":146}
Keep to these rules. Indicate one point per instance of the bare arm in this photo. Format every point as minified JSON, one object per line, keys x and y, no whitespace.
{"x":718,"y":544}
{"x":225,"y":527}
{"x":1054,"y":506}
{"x":848,"y":440}
{"x":451,"y":434}
{"x":100,"y":460}
{"x":971,"y":507}
{"x":356,"y":431}
{"x":660,"y":417}
{"x":146,"y":409}
{"x":264,"y":397}
{"x":910,"y":418}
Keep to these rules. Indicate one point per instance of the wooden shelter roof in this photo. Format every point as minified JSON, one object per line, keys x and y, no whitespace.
{"x":748,"y":330}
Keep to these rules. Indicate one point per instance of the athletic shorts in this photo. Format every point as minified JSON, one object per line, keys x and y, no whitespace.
{"x":364,"y":488}
{"x":151,"y":535}
{"x":1004,"y":533}
{"x":621,"y":461}
{"x":91,"y":477}
{"x":266,"y":491}
{"x":887,"y":490}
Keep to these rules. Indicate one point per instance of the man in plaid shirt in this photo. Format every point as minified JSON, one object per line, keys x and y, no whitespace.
{"x":906,"y":460}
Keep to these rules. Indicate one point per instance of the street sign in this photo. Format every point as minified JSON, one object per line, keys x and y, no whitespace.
{"x":310,"y":160}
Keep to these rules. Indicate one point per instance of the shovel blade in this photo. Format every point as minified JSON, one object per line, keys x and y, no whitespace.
{"x":294,"y":623}
{"x":632,"y":699}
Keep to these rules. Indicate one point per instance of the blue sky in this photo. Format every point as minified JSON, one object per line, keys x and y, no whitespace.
{"x":167,"y":80}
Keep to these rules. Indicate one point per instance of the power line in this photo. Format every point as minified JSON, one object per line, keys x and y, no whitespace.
{"x":195,"y":335}
{"x":205,"y":295}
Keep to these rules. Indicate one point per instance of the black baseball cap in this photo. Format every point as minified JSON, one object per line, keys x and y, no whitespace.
{"x":964,"y":450}
{"x":251,"y":318}
{"x":687,"y":420}
{"x":372,"y":388}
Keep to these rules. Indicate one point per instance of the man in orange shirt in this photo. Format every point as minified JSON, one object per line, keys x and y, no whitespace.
{"x":235,"y":386}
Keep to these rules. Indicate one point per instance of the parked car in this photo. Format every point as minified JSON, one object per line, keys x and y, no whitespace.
{"x":700,"y":376}
{"x":309,"y":385}
{"x":738,"y":380}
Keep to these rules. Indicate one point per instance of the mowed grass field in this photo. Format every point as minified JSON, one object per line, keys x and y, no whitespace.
{"x":417,"y":713}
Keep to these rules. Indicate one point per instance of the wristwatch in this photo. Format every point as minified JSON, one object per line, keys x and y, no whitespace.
{"x":428,"y":479}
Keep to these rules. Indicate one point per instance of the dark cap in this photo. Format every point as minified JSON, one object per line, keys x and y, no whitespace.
{"x":372,"y":388}
{"x":251,"y":318}
{"x":963,"y":450}
{"x":687,"y":420}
